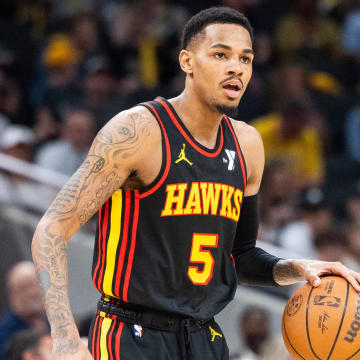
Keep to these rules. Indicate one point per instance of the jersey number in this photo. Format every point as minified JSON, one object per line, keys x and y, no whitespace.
{"x":200,"y":256}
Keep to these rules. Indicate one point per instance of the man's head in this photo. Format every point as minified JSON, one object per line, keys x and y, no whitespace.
{"x":29,"y":345}
{"x":295,"y":116}
{"x":217,"y":57}
{"x":79,"y":129}
{"x":24,"y":290}
{"x":255,"y":327}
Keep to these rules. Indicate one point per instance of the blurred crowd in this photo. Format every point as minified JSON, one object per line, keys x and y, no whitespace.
{"x":67,"y":67}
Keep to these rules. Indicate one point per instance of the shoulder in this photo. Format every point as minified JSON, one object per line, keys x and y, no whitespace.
{"x":136,"y":115}
{"x":253,"y":151}
{"x":130,"y":137}
{"x":130,"y":129}
{"x":129,"y":122}
{"x":248,"y":136}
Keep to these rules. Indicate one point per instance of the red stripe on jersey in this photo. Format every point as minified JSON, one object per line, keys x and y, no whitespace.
{"x":104,"y":231}
{"x":238,"y":151}
{"x":186,"y":136}
{"x":132,"y":248}
{"x":232,"y":258}
{"x":94,"y":336}
{"x":117,"y":340}
{"x":168,"y":157}
{"x":99,"y":244}
{"x":123,"y":242}
{"x":109,"y":340}
{"x":98,"y":340}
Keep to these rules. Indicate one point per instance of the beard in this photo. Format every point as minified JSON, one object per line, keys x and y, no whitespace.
{"x":230,"y":111}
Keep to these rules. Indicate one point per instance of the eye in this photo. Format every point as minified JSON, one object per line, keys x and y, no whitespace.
{"x":220,"y":55}
{"x":246,"y":59}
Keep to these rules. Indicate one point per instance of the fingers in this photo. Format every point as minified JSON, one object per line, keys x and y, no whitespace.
{"x":313,"y":279}
{"x":353,"y":278}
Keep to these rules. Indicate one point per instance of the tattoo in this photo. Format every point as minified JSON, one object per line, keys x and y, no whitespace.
{"x":44,"y":278}
{"x":64,"y":344}
{"x":104,"y":192}
{"x":93,"y":183}
{"x":50,"y":258}
{"x":68,"y":197}
{"x":285,"y":271}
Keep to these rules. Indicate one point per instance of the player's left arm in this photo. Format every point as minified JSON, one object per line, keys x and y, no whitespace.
{"x":254,"y":265}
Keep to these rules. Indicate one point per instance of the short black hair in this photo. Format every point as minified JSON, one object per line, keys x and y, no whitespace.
{"x":213,"y":15}
{"x":22,"y":341}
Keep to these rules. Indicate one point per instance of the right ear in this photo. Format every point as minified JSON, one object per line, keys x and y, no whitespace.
{"x":28,"y":355}
{"x":185,"y":60}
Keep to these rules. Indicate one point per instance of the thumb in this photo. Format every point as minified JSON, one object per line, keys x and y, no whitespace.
{"x":314,"y":280}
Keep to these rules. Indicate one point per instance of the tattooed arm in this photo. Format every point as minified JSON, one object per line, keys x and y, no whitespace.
{"x":119,"y":149}
{"x":287,"y":272}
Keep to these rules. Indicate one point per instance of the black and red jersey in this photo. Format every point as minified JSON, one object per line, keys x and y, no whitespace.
{"x":168,"y":246}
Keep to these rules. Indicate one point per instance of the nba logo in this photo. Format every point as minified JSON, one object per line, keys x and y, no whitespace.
{"x":138,"y":330}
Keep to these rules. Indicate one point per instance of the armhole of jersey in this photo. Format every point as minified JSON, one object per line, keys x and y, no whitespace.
{"x":166,"y":156}
{"x":239,"y":151}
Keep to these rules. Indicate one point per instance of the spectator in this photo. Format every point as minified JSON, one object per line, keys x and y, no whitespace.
{"x":11,"y":104}
{"x":15,"y":189}
{"x":351,"y":32}
{"x":354,"y":244}
{"x":26,"y":310}
{"x":287,"y":135}
{"x":66,"y":154}
{"x":46,"y":125}
{"x":29,"y":345}
{"x":56,"y":84}
{"x":260,"y":344}
{"x":311,"y":35}
{"x":335,"y":244}
{"x":353,"y":205}
{"x":277,"y":189}
{"x":332,"y":244}
{"x":98,"y":89}
{"x":254,"y":329}
{"x":314,"y":216}
{"x":352,"y":132}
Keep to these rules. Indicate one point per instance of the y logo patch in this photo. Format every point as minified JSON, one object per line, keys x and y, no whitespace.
{"x":230,"y":159}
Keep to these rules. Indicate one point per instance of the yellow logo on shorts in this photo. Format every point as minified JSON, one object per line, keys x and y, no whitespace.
{"x":182,"y":156}
{"x":214,"y":334}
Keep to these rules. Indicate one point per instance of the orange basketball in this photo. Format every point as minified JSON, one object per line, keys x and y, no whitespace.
{"x":323,"y":323}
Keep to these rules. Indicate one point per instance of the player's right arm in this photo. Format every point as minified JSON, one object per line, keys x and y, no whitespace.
{"x":115,"y":154}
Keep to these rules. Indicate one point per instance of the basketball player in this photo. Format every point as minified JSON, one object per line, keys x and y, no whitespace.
{"x":169,"y":179}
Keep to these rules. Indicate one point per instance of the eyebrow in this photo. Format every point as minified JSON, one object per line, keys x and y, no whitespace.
{"x":227,"y":47}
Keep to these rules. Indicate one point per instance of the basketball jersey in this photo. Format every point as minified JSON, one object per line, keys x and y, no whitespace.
{"x":168,"y":246}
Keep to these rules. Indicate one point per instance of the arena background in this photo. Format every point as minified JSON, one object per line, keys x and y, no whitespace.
{"x":67,"y":67}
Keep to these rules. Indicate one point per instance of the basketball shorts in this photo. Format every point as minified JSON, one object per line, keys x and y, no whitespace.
{"x":122,"y":334}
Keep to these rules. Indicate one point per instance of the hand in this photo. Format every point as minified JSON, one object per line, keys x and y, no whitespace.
{"x":311,"y":270}
{"x":77,"y":351}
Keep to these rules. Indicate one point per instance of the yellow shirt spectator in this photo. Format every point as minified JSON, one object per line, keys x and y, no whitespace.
{"x":303,"y":151}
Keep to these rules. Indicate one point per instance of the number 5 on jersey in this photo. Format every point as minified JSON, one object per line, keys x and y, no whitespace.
{"x":200,"y":256}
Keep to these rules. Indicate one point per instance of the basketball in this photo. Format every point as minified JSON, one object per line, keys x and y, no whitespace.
{"x":323,"y":323}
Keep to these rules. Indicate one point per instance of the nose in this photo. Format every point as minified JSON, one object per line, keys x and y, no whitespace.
{"x":234,"y":67}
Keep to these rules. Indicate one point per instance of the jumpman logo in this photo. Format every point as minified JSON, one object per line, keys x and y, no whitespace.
{"x":182,"y":156}
{"x":214,"y":334}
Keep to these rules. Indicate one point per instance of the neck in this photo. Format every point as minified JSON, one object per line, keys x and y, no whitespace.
{"x":202,"y":121}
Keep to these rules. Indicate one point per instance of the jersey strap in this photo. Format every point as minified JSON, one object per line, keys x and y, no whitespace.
{"x":152,"y":106}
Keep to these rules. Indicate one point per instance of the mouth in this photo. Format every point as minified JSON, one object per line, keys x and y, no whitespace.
{"x":233,"y":88}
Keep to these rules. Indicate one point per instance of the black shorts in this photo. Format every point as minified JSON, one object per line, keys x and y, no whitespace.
{"x":114,"y":337}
